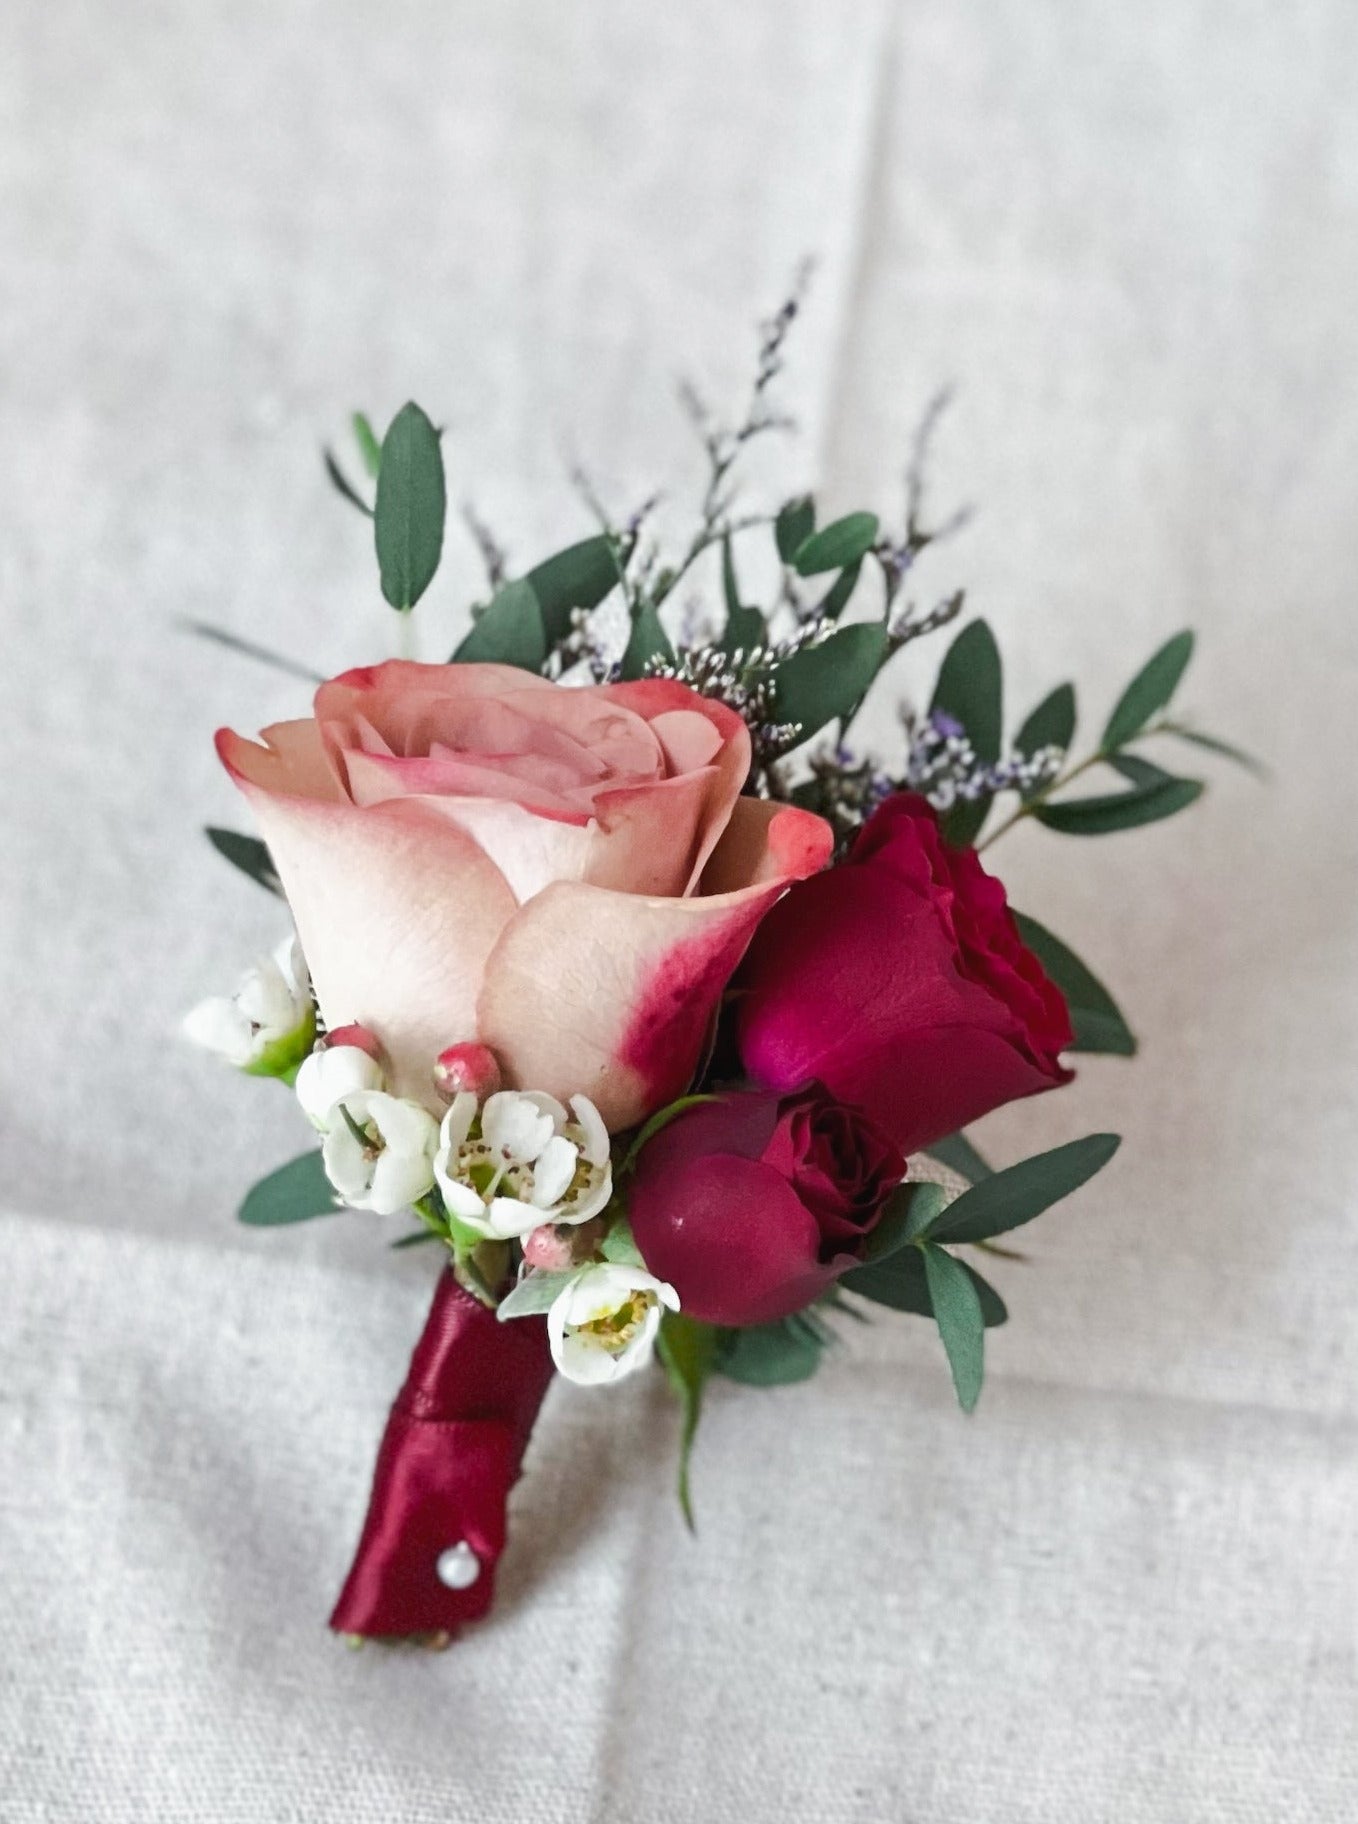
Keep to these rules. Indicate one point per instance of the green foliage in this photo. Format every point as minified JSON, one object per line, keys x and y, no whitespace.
{"x":1213,"y":744}
{"x":647,"y":641}
{"x":687,"y":1351}
{"x":901,"y":1284}
{"x":970,"y":689}
{"x":508,"y":632}
{"x":827,"y":682}
{"x":248,"y":854}
{"x":578,"y":577}
{"x":368,"y":446}
{"x":960,"y":1156}
{"x":745,"y":629}
{"x":836,"y":599}
{"x":620,"y":1245}
{"x":411,"y":507}
{"x":770,"y":1355}
{"x":795,"y":523}
{"x":842,"y":543}
{"x":1149,"y":691}
{"x":1051,"y":724}
{"x":906,"y":1215}
{"x":957,"y":1312}
{"x":1094,"y":1014}
{"x":294,"y":1193}
{"x":342,"y":484}
{"x":535,"y":1293}
{"x":1150,"y":802}
{"x":1007,"y":1199}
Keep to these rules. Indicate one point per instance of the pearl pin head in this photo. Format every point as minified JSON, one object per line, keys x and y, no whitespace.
{"x":459,"y":1567}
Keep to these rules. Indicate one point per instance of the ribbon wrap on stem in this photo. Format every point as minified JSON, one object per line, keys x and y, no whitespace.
{"x":449,"y":1456}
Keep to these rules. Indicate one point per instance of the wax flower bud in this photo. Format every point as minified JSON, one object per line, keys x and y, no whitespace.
{"x":331,"y":1074}
{"x":357,"y":1036}
{"x":466,"y":1070}
{"x":268,"y":1025}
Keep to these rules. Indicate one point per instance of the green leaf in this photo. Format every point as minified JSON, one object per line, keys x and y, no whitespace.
{"x":957,"y":1312}
{"x":251,"y":649}
{"x":1141,"y":773}
{"x":687,"y":1350}
{"x":768,"y":1355}
{"x":836,"y":546}
{"x":412,"y":503}
{"x":901,"y":1284}
{"x":970,"y":688}
{"x":248,"y":854}
{"x":836,"y":599}
{"x":578,"y":577}
{"x":820,"y":683}
{"x":508,"y":632}
{"x":795,"y":523}
{"x":1051,"y":724}
{"x":1014,"y":1196}
{"x":415,"y":1238}
{"x":1213,"y":744}
{"x":368,"y":446}
{"x":648,"y":640}
{"x":620,"y":1244}
{"x":1094,"y":1014}
{"x":745,"y":629}
{"x":535,"y":1293}
{"x":294,"y":1193}
{"x":907,"y":1213}
{"x":1114,"y":811}
{"x":1150,"y":690}
{"x":342,"y":484}
{"x":960,"y":1156}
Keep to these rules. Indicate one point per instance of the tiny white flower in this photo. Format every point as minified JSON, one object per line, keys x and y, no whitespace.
{"x":379,"y":1151}
{"x":327,"y":1077}
{"x":602,"y":1326}
{"x":268,"y":1024}
{"x":522,"y":1162}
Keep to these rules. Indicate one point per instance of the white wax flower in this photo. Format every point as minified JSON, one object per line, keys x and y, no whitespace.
{"x":521,"y":1161}
{"x":267,"y":1025}
{"x":327,"y":1077}
{"x":379,"y":1151}
{"x":602,"y":1325}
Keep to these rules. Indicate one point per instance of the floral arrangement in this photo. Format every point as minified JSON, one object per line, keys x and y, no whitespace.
{"x":658,"y":1001}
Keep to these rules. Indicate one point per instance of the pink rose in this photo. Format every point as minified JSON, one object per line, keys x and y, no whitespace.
{"x":567,"y":876}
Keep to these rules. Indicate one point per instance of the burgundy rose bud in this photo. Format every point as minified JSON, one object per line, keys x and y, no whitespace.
{"x":899,"y":980}
{"x":357,"y":1036}
{"x":752,"y":1205}
{"x":466,"y":1067}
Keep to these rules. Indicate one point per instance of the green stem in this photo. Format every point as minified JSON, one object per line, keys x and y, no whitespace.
{"x":1039,"y":798}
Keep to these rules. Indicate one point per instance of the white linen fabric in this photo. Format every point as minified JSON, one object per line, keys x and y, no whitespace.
{"x":1127,"y":1589}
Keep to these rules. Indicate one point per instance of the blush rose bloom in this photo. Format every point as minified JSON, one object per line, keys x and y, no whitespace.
{"x":900,"y":981}
{"x":752,"y":1205}
{"x":568,"y":876}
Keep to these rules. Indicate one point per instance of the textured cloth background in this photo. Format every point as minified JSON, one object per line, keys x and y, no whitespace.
{"x":1128,"y":1588}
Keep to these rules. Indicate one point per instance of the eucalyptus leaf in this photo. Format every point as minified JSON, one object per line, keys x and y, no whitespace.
{"x":342,"y":484}
{"x":687,"y":1350}
{"x":251,"y":649}
{"x":744,"y":629}
{"x":415,"y":1239}
{"x":578,"y":577}
{"x":248,"y":854}
{"x":957,"y":1312}
{"x":970,"y":688}
{"x":828,"y":681}
{"x":1094,"y":1014}
{"x":294,"y":1193}
{"x":836,"y":599}
{"x":1051,"y":724}
{"x":368,"y":446}
{"x":412,"y":504}
{"x":1213,"y":744}
{"x":619,"y":1245}
{"x":835,"y":547}
{"x":907,"y":1213}
{"x":507,"y":632}
{"x":795,"y":523}
{"x":768,"y":1355}
{"x":1149,"y":691}
{"x":1141,"y":773}
{"x":535,"y":1293}
{"x":1014,"y":1196}
{"x":648,"y":640}
{"x":900,"y":1284}
{"x":1110,"y":812}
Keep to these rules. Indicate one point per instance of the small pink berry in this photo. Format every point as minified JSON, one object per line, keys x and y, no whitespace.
{"x":466,"y":1067}
{"x":357,"y":1036}
{"x":548,"y":1250}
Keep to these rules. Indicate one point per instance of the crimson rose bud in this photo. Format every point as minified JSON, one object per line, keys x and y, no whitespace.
{"x":751,"y":1205}
{"x":900,"y":981}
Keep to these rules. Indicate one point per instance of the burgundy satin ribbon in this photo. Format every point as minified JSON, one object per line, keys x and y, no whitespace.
{"x":449,"y":1457}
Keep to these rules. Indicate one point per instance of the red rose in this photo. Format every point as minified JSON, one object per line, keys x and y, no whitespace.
{"x":752,"y":1204}
{"x":900,"y":981}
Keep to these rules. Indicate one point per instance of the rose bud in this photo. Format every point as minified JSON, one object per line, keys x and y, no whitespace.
{"x":899,"y":980}
{"x":751,"y":1205}
{"x":357,"y":1036}
{"x":466,"y":1067}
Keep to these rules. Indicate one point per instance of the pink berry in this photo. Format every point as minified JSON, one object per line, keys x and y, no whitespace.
{"x":466,"y":1067}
